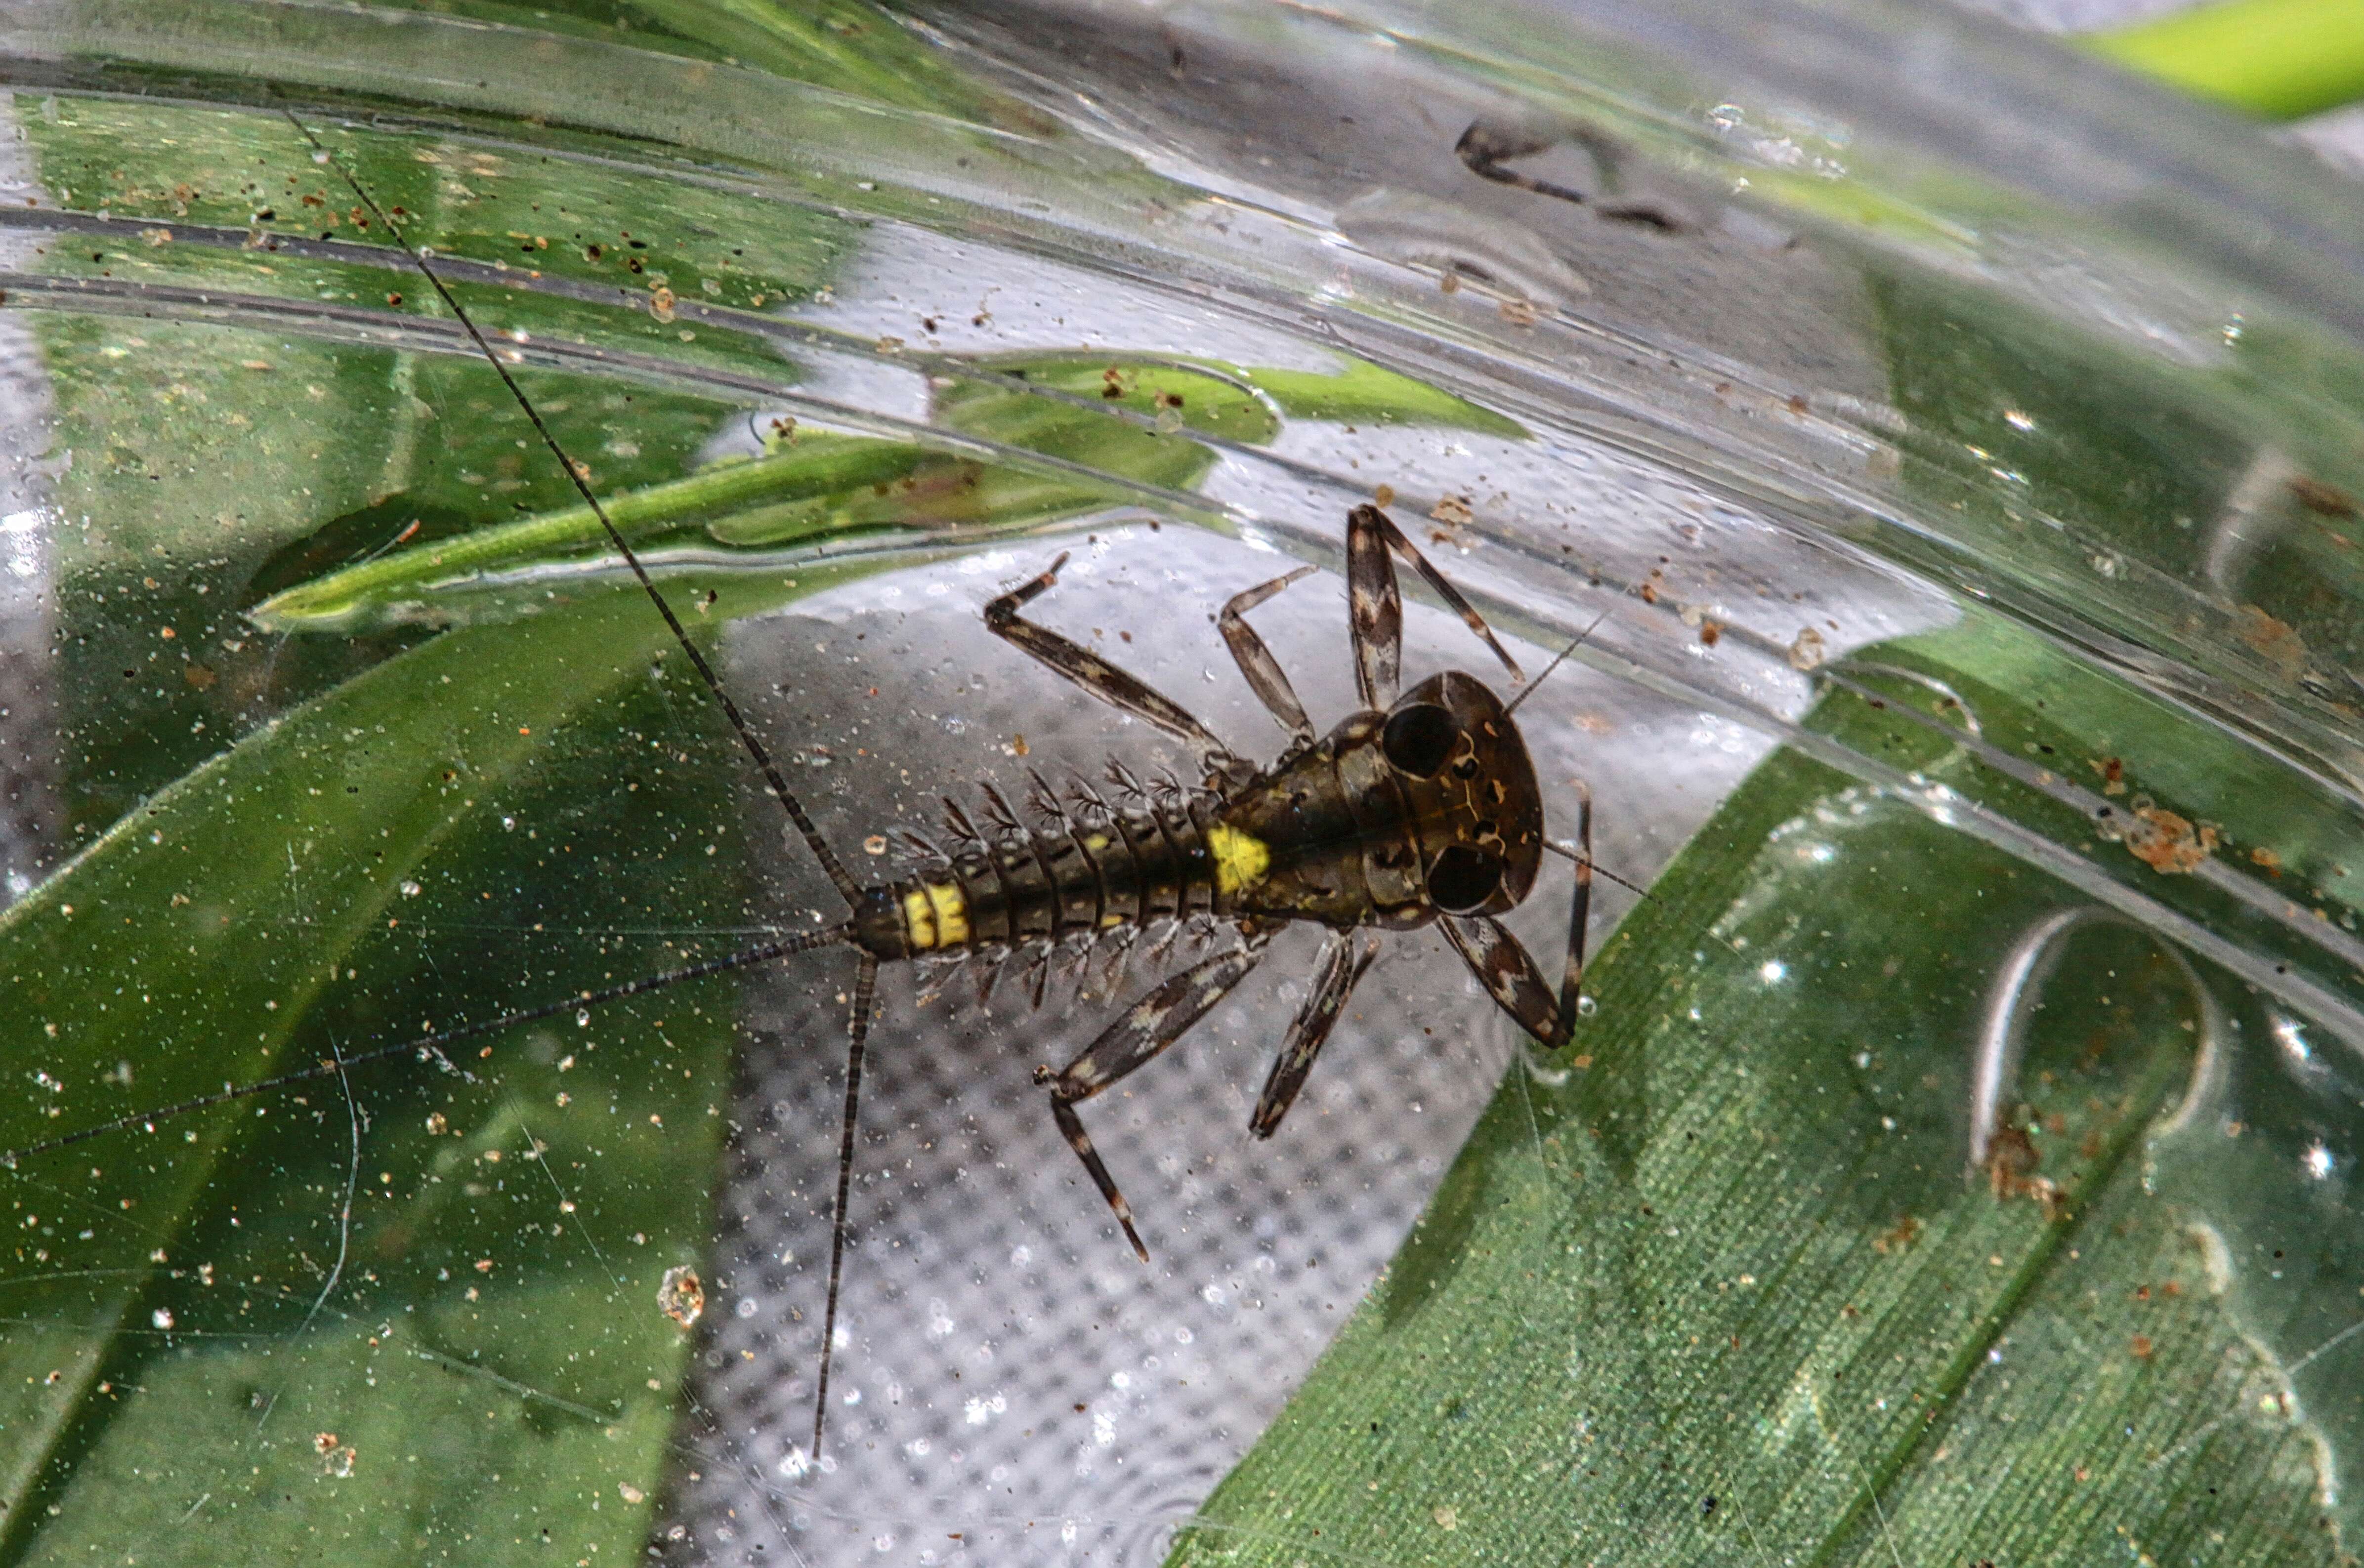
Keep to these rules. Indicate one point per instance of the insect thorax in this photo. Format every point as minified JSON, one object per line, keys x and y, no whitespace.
{"x":1395,"y":817}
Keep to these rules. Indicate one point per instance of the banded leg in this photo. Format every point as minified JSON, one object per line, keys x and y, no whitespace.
{"x":1148,"y":1026}
{"x":1484,"y":149}
{"x":1343,"y":958}
{"x":1375,"y":605}
{"x":1255,"y":661}
{"x":1089,"y":670}
{"x":1511,"y":976}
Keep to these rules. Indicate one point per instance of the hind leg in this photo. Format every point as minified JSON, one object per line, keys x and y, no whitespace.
{"x":1148,"y":1026}
{"x":1091,"y":672}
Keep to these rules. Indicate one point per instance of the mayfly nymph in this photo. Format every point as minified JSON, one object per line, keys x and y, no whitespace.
{"x":1420,"y":807}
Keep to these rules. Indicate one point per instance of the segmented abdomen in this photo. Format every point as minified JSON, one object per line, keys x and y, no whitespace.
{"x":1014,"y":885}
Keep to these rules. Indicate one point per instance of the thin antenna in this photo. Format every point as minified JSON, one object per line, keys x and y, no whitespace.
{"x":1583,"y":860}
{"x":1634,"y":887}
{"x":846,"y":886}
{"x":1560,"y":659}
{"x":866,"y":981}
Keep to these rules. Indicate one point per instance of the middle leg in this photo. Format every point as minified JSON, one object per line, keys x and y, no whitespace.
{"x":1343,"y":958}
{"x":1255,"y":661}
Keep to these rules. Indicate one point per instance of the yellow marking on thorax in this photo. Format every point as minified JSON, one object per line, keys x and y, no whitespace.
{"x":936,"y":915}
{"x":1241,"y":859}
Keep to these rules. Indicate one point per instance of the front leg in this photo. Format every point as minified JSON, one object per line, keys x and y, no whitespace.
{"x":1375,"y":605}
{"x":1512,"y":978}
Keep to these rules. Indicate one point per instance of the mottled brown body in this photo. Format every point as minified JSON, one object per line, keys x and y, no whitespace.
{"x":1389,"y":820}
{"x":1420,"y":806}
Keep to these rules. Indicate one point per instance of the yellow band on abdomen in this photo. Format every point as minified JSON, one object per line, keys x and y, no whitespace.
{"x":935,"y":915}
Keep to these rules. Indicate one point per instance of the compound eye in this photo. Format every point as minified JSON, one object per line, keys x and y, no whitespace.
{"x":1418,"y":737}
{"x":1463,"y":878}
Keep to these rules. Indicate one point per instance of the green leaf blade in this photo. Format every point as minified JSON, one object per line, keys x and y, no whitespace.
{"x":1728,"y":1294}
{"x":2280,"y":58}
{"x":197,"y":1271}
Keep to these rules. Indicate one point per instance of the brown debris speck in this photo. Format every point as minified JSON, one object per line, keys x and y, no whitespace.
{"x":2322,"y":500}
{"x":680,"y":1294}
{"x":2011,"y":1157}
{"x":2268,"y":859}
{"x":2275,"y":639}
{"x":1899,"y":1237}
{"x":2010,"y":1166}
{"x":1806,"y":650}
{"x":2167,"y":842}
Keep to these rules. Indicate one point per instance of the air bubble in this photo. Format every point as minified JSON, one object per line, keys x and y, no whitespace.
{"x":582,"y":1017}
